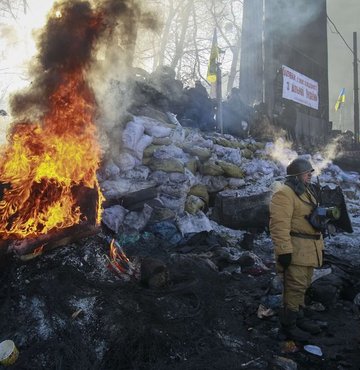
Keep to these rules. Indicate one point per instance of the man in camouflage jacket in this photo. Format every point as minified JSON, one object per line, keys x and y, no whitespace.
{"x":297,"y":245}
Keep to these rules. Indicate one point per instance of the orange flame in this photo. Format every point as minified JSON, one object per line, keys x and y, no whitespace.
{"x":118,"y":259}
{"x":37,"y":251}
{"x":45,"y":164}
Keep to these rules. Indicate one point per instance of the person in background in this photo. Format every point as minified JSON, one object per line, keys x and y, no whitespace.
{"x":199,"y":107}
{"x":298,"y":246}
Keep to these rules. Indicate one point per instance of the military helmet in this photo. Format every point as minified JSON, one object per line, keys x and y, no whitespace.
{"x":298,"y":166}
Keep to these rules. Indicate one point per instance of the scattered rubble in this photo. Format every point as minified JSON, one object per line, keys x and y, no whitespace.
{"x":179,"y":289}
{"x":180,"y":273}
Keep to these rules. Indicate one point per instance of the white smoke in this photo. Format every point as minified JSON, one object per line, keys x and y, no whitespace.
{"x":17,"y":48}
{"x":280,"y":151}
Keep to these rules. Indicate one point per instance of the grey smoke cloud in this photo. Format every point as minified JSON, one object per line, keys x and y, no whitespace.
{"x":70,"y":41}
{"x":292,"y":17}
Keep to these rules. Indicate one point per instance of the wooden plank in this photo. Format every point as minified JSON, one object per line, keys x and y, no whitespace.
{"x":33,"y":247}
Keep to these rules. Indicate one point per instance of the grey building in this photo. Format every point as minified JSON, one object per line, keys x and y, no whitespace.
{"x":279,"y":33}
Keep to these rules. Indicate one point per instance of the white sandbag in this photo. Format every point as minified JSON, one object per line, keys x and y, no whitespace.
{"x":140,"y":146}
{"x":189,"y":224}
{"x":153,"y":127}
{"x":173,"y":119}
{"x":136,"y":221}
{"x":109,"y":171}
{"x":132,"y":134}
{"x":116,"y":189}
{"x":231,"y":155}
{"x":193,"y":180}
{"x":158,"y":131}
{"x":159,"y":177}
{"x":113,"y":217}
{"x":214,"y":183}
{"x":187,"y":177}
{"x":112,"y":188}
{"x":219,"y":150}
{"x":112,"y":170}
{"x":139,"y":173}
{"x":235,"y":183}
{"x":175,"y":189}
{"x":178,"y":184}
{"x":126,"y":161}
{"x":146,"y":121}
{"x":177,"y":204}
{"x":194,"y":138}
{"x":169,"y":152}
{"x":178,"y":135}
{"x":260,"y":166}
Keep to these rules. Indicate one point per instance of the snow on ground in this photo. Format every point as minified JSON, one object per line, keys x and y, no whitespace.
{"x":345,"y":245}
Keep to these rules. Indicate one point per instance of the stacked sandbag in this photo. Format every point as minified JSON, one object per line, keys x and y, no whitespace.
{"x":162,"y":171}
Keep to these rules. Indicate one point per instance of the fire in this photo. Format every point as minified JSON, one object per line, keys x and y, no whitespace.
{"x":48,"y":169}
{"x":118,"y":259}
{"x":37,"y":251}
{"x":46,"y":163}
{"x":119,"y":263}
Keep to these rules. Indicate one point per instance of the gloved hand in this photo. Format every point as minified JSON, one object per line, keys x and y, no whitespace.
{"x":285,"y":260}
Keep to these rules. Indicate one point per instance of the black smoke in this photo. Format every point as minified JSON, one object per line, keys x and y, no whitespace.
{"x":68,"y":43}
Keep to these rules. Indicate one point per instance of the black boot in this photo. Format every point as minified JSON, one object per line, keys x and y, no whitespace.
{"x":306,"y":324}
{"x":288,"y":320}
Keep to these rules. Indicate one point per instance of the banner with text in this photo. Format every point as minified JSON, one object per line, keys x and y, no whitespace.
{"x":299,"y":88}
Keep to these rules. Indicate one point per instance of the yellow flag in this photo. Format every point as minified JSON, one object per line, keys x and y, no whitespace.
{"x":214,"y":54}
{"x":340,"y":100}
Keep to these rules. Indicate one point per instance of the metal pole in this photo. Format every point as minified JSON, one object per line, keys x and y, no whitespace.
{"x":219,"y":113}
{"x":356,"y":92}
{"x":340,"y":120}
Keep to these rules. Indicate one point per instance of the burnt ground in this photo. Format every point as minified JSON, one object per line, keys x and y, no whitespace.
{"x":66,"y":310}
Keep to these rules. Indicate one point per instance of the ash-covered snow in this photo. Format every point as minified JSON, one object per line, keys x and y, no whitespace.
{"x":345,"y":245}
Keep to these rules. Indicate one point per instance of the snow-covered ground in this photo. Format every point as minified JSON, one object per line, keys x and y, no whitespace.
{"x":341,"y":244}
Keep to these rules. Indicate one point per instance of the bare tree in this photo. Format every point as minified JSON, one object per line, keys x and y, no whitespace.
{"x":183,"y":23}
{"x":184,"y":42}
{"x":227,"y":18}
{"x":173,"y":9}
{"x":11,"y":8}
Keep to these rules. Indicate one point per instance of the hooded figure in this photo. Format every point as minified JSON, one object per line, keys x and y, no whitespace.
{"x":298,"y":246}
